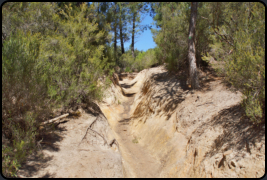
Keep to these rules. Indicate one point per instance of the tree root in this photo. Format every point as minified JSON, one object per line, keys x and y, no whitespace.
{"x":114,"y":141}
{"x":205,"y":103}
{"x":89,"y":127}
{"x":98,"y":134}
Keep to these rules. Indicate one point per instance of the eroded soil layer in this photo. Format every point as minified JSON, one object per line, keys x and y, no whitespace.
{"x":161,"y":123}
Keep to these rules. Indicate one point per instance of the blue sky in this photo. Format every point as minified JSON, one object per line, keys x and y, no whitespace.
{"x":145,"y":40}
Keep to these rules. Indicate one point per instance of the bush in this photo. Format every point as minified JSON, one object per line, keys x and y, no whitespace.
{"x":171,"y":39}
{"x":142,"y":61}
{"x":22,"y":89}
{"x":42,"y":70}
{"x":127,"y":61}
{"x":23,"y":144}
{"x":146,"y":59}
{"x":74,"y":60}
{"x":246,"y":71}
{"x":240,"y":54}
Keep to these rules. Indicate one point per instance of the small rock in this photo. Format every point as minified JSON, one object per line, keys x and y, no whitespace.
{"x":227,"y":152}
{"x":233,"y":164}
{"x":81,"y":110}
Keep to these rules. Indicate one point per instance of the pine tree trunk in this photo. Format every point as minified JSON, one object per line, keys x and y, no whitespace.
{"x":115,"y":44}
{"x":133,"y":32}
{"x":193,"y":76}
{"x":78,"y":4}
{"x":115,"y":37}
{"x":121,"y":37}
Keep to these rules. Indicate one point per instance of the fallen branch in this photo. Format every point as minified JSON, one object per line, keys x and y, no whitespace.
{"x":98,"y":134}
{"x":89,"y":127}
{"x":205,"y":103}
{"x":93,"y":122}
{"x":112,"y":142}
{"x":84,"y":150}
{"x":55,"y":119}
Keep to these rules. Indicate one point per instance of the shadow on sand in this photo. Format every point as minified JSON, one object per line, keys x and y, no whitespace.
{"x":238,"y":131}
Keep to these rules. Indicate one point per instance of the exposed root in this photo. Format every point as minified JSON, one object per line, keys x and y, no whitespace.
{"x":98,"y":134}
{"x":88,"y":128}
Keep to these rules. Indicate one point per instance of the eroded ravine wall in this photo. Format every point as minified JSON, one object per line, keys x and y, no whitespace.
{"x":199,"y":134}
{"x":194,"y":134}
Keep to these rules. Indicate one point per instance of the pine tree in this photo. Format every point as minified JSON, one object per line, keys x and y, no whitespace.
{"x":122,"y":24}
{"x":191,"y":48}
{"x":135,"y":10}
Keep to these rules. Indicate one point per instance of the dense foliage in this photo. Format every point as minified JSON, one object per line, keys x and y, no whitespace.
{"x":43,"y":69}
{"x":239,"y":43}
{"x":171,"y":38}
{"x":142,"y":60}
{"x":229,"y":36}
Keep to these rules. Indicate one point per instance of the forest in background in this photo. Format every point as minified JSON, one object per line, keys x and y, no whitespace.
{"x":62,"y":55}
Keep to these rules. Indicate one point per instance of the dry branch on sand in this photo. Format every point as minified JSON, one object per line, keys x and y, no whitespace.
{"x":114,"y":141}
{"x":55,"y":119}
{"x":89,"y":127}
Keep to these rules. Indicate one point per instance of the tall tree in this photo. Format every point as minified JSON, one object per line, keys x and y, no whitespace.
{"x":136,"y":10}
{"x":115,"y":32}
{"x":122,"y":24}
{"x":171,"y":34}
{"x":191,"y":48}
{"x":133,"y":32}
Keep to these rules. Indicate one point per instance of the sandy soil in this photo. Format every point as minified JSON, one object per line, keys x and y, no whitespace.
{"x":160,"y":122}
{"x":143,"y":164}
{"x":63,"y":157}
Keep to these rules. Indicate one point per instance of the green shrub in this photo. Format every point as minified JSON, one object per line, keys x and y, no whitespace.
{"x":74,"y":60}
{"x":41,"y":70}
{"x":9,"y":164}
{"x":22,"y":110}
{"x":127,"y":69}
{"x":135,"y":140}
{"x":142,"y":61}
{"x":146,"y":59}
{"x":171,"y":38}
{"x":246,"y":71}
{"x":23,"y":137}
{"x":127,"y":61}
{"x":240,"y":55}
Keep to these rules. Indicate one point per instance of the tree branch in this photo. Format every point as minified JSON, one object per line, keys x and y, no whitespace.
{"x":98,"y":134}
{"x":89,"y":127}
{"x":55,"y":119}
{"x":223,"y":37}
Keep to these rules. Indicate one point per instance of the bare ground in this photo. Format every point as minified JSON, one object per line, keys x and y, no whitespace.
{"x":63,"y":157}
{"x":143,"y":164}
{"x":183,"y":132}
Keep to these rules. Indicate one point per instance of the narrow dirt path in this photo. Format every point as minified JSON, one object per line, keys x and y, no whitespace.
{"x":140,"y":161}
